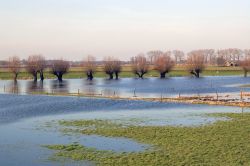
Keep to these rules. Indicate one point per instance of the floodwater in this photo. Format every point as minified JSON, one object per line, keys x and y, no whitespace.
{"x":23,"y":120}
{"x":23,"y":117}
{"x":128,"y":87}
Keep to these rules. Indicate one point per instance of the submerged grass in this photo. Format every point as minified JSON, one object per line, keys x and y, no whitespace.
{"x":221,"y":143}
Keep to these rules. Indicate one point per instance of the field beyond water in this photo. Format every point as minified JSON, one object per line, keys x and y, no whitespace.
{"x":77,"y":72}
{"x":222,"y":143}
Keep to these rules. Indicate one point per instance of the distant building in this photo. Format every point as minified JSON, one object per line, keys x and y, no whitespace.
{"x":231,"y":63}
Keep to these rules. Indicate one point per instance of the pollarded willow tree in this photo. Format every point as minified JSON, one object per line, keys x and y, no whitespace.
{"x":163,"y":64}
{"x":117,"y":68}
{"x":139,"y":65}
{"x":89,"y":66}
{"x":36,"y":64}
{"x":195,"y":63}
{"x":108,"y":67}
{"x":32,"y":67}
{"x":14,"y":65}
{"x":41,"y":66}
{"x":59,"y":68}
{"x":112,"y":66}
{"x":245,"y":64}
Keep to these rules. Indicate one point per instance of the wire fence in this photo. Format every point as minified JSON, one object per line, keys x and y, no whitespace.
{"x":165,"y":94}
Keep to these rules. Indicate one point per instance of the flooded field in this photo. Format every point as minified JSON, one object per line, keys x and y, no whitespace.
{"x":28,"y":122}
{"x":128,"y":87}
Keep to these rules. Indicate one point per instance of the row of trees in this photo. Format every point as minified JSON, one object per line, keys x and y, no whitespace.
{"x":211,"y":56}
{"x":139,"y":65}
{"x":162,"y":62}
{"x":36,"y":64}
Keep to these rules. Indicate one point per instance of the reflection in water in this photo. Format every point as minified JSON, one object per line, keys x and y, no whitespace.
{"x":110,"y":88}
{"x":59,"y":86}
{"x":35,"y":87}
{"x":13,"y":87}
{"x":110,"y":92}
{"x":88,"y":87}
{"x":129,"y":87}
{"x":108,"y":81}
{"x":90,"y":82}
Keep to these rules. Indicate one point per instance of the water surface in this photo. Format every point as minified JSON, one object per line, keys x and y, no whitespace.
{"x":128,"y":87}
{"x":23,"y":120}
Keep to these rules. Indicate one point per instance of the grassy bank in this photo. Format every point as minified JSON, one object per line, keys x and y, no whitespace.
{"x":76,"y":72}
{"x":221,"y":143}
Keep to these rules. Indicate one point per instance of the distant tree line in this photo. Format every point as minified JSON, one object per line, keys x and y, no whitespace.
{"x":163,"y":62}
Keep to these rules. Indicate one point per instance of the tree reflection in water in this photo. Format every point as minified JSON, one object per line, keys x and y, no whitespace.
{"x":13,"y":87}
{"x":33,"y":87}
{"x":59,"y":86}
{"x":89,"y":87}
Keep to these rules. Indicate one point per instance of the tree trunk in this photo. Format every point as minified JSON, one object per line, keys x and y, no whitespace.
{"x":198,"y":74}
{"x":59,"y":76}
{"x":41,"y":76}
{"x":141,"y":76}
{"x":90,"y":76}
{"x":35,"y":77}
{"x":198,"y":71}
{"x":195,"y":73}
{"x":15,"y":77}
{"x":163,"y":75}
{"x":111,"y":76}
{"x":116,"y":75}
{"x":245,"y":73}
{"x":138,"y":74}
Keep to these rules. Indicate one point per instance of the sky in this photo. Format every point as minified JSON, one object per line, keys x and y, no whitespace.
{"x":73,"y":29}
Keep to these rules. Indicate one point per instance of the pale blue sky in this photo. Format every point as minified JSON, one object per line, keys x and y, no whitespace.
{"x":75,"y":28}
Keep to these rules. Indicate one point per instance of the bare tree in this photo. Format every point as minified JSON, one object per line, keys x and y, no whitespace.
{"x":14,"y":65}
{"x":232,"y":54}
{"x":247,"y":53}
{"x":220,"y":61}
{"x":208,"y":55}
{"x":41,"y":63}
{"x":163,"y":64}
{"x":90,"y":66}
{"x":245,"y":64}
{"x":236,"y":54}
{"x":178,"y":55}
{"x":32,"y":66}
{"x":117,"y":68}
{"x":108,"y":67}
{"x":139,"y":65}
{"x":59,"y":68}
{"x":221,"y":58}
{"x":153,"y":54}
{"x":195,"y":63}
{"x":36,"y":64}
{"x":112,"y":66}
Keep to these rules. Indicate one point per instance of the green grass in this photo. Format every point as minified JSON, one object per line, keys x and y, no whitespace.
{"x":126,"y":73}
{"x":221,"y":143}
